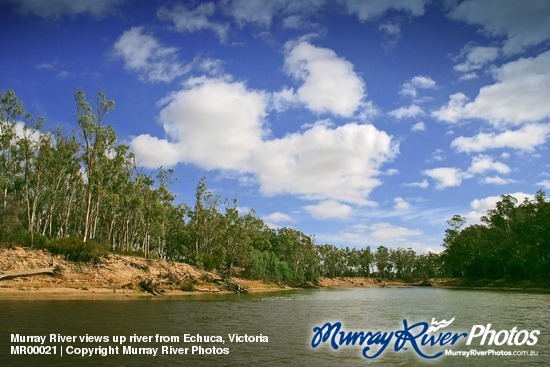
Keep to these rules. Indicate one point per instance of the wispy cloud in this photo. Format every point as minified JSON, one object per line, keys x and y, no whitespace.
{"x":146,"y":55}
{"x":56,"y":9}
{"x":193,"y":20}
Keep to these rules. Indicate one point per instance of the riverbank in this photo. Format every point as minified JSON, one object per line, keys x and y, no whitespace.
{"x":351,"y":282}
{"x":112,"y":276}
{"x":127,"y":277}
{"x":495,"y":285}
{"x":116,"y":276}
{"x":447,"y":283}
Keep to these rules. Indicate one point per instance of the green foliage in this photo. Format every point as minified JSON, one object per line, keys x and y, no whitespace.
{"x":81,"y":195}
{"x":428,"y":266}
{"x":404,"y":262}
{"x":128,"y":252}
{"x":383,"y":261}
{"x":187,"y":286}
{"x":512,"y":244}
{"x":11,"y":222}
{"x":85,"y":186}
{"x":210,"y":261}
{"x":266,"y":266}
{"x":73,"y":249}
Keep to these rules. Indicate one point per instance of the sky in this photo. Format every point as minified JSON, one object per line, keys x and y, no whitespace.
{"x":360,"y":123}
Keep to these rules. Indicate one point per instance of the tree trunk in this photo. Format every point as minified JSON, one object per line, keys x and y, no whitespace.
{"x":96,"y":217}
{"x":64,"y":229}
{"x":23,"y":273}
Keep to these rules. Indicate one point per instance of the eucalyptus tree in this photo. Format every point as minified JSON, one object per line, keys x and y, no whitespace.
{"x":297,"y":250}
{"x":68,"y":178}
{"x":206,"y":224}
{"x":178,"y":235}
{"x":98,"y":140}
{"x":383,"y":261}
{"x":353,"y":261}
{"x":19,"y":137}
{"x":404,"y":261}
{"x":11,"y":113}
{"x":31,"y":172}
{"x":11,"y":216}
{"x":115,"y":183}
{"x":332,"y":260}
{"x":512,"y":243}
{"x":236,"y":236}
{"x":428,"y":266}
{"x":366,"y":261}
{"x":537,"y":234}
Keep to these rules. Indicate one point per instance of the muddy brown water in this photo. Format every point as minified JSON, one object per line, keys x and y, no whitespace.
{"x":287,"y":319}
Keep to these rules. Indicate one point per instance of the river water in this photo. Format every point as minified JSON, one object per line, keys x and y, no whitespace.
{"x":287,"y":319}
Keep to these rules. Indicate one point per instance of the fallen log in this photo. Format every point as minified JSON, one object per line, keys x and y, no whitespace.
{"x":23,"y":273}
{"x":234,"y":286}
{"x":149,"y":286}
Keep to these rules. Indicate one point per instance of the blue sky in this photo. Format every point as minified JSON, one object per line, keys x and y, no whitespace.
{"x":359,"y":122}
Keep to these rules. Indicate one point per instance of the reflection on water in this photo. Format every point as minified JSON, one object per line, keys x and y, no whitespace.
{"x":287,"y":318}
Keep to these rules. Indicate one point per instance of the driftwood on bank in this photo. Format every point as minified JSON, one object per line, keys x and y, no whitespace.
{"x":23,"y":273}
{"x":234,"y":286}
{"x":150,"y":286}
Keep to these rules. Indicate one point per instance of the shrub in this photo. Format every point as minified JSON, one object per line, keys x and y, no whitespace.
{"x":74,"y":250}
{"x":12,"y":226}
{"x":187,"y":286}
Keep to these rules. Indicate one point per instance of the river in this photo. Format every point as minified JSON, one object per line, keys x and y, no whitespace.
{"x":287,"y":319}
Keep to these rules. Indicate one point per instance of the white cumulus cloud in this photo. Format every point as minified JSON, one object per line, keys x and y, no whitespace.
{"x":483,"y":163}
{"x":154,"y":152}
{"x":527,"y":138}
{"x":520,"y":94}
{"x":219,"y":124}
{"x":445,"y":176}
{"x":340,"y":163}
{"x":329,"y":82}
{"x":410,"y":88}
{"x":476,"y":57}
{"x":407,"y":112}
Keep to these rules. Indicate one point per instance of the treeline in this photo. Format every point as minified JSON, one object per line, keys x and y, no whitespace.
{"x":398,"y":263}
{"x":81,"y":194}
{"x":512,"y":243}
{"x":82,"y":190}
